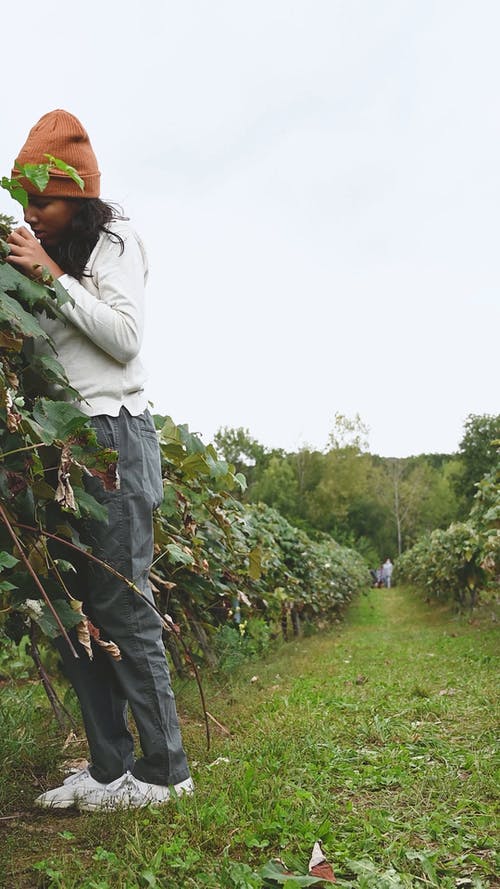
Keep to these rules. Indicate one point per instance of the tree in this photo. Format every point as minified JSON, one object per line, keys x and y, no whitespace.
{"x":343,"y":482}
{"x":410,"y":488}
{"x":238,"y":447}
{"x":478,"y":453}
{"x":242,"y":451}
{"x":278,"y":487}
{"x":347,"y":433}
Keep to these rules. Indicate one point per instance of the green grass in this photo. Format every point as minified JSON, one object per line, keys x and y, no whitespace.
{"x":376,"y":737}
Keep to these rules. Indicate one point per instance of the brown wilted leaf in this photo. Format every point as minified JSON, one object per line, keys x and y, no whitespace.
{"x":71,"y":739}
{"x":171,"y":624}
{"x":10,"y":342}
{"x":319,"y":867}
{"x":82,"y":629}
{"x":110,"y":648}
{"x":13,"y":416}
{"x":82,"y":632}
{"x":94,"y":632}
{"x":242,"y":597}
{"x":110,"y":477}
{"x":190,"y":525}
{"x":323,"y":870}
{"x":13,"y":420}
{"x":64,"y":492}
{"x":16,"y":482}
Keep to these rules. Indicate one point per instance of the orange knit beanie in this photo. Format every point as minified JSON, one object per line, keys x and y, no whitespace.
{"x":61,"y":134}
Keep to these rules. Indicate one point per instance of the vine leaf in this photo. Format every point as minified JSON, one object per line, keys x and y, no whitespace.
{"x":58,"y":420}
{"x":7,"y":560}
{"x":11,"y":312}
{"x":37,"y":174}
{"x":38,"y":611}
{"x":66,"y":168}
{"x":276,"y":871}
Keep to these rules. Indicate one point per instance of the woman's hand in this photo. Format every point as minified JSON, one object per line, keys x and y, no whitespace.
{"x":28,"y":255}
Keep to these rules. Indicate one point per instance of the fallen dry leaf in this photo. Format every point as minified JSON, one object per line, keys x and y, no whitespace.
{"x":318,"y":865}
{"x":70,"y":740}
{"x":244,"y":598}
{"x":217,"y":762}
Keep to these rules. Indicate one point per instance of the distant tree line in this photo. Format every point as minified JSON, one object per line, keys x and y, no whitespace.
{"x":379,"y":506}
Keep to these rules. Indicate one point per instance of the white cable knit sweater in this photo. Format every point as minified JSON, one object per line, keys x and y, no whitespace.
{"x":99,"y":346}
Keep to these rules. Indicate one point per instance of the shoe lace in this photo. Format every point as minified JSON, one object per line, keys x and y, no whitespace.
{"x":122,"y":781}
{"x":78,"y":776}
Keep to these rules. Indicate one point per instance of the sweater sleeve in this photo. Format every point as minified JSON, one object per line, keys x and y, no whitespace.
{"x":114,"y":318}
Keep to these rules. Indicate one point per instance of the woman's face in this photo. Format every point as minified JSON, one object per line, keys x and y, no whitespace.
{"x":49,"y":218}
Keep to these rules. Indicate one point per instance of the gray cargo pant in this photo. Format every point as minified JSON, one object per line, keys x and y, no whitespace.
{"x":141,"y":678}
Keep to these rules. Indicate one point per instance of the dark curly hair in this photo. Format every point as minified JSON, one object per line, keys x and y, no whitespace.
{"x":91,"y":217}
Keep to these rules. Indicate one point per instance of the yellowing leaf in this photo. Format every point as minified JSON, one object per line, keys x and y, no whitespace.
{"x":255,"y":563}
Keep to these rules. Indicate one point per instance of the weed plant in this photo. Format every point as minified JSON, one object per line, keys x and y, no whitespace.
{"x":234,"y":644}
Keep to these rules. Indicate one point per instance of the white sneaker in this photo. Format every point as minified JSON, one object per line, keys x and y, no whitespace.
{"x":66,"y":795}
{"x":128,"y":792}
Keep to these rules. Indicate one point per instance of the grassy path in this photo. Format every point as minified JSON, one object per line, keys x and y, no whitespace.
{"x":377,"y":738}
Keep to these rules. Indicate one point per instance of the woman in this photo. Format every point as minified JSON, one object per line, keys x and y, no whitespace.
{"x":100,"y":260}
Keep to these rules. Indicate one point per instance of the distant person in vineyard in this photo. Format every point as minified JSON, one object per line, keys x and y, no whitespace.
{"x":100,"y":260}
{"x":387,"y":568}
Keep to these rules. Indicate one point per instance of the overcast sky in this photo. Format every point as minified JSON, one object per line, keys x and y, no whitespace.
{"x":318,"y":187}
